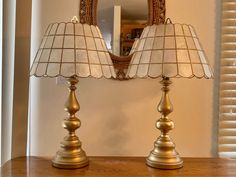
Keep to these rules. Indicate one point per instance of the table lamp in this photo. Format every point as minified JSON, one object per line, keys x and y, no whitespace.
{"x":168,"y":51}
{"x":72,"y":50}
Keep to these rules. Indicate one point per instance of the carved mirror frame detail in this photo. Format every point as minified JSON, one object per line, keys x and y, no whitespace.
{"x":156,"y":15}
{"x":156,"y":12}
{"x":88,"y":12}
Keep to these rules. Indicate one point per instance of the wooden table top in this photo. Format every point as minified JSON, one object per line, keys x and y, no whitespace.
{"x":119,"y":167}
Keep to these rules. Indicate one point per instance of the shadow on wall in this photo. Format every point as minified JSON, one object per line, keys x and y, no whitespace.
{"x":117,"y":122}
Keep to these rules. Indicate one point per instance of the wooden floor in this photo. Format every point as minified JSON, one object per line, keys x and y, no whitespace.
{"x":119,"y":167}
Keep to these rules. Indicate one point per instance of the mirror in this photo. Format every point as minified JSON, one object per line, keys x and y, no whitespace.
{"x":128,"y":18}
{"x":118,"y":40}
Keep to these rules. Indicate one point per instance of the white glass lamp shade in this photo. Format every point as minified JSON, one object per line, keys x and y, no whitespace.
{"x":169,"y":50}
{"x":73,"y":49}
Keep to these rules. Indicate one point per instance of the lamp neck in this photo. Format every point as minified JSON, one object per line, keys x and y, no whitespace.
{"x":165,"y":107}
{"x":72,"y":105}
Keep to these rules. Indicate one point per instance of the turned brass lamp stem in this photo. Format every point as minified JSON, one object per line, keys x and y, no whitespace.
{"x":71,"y":155}
{"x":164,"y":155}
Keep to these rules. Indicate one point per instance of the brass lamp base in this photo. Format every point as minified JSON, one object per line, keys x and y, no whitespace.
{"x":71,"y":155}
{"x":164,"y":155}
{"x":68,"y":160}
{"x":165,"y":164}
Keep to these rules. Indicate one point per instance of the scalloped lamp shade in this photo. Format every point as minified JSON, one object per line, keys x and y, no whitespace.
{"x":73,"y":49}
{"x":169,"y":50}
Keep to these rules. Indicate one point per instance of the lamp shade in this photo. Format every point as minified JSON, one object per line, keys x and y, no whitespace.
{"x":169,"y":50}
{"x":72,"y":49}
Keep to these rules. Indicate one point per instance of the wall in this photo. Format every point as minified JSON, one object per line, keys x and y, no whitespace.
{"x":8,"y":42}
{"x":16,"y":35}
{"x":118,"y":118}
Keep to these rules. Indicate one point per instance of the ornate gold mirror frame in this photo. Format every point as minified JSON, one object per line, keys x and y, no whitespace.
{"x":156,"y":15}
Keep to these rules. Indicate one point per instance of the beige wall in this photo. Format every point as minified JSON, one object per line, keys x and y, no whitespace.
{"x":15,"y":76}
{"x":7,"y":78}
{"x":118,"y":118}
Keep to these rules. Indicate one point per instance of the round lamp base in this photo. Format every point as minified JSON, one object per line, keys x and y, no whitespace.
{"x":166,"y":163}
{"x":70,"y":161}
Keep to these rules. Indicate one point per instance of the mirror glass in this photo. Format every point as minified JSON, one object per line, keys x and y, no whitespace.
{"x":128,"y":23}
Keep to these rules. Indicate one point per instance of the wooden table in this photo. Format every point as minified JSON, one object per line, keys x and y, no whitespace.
{"x":119,"y":167}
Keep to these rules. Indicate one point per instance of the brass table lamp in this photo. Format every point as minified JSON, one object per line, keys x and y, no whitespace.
{"x":168,"y":51}
{"x":72,"y":50}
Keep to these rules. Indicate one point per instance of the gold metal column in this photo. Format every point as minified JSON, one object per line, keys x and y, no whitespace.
{"x":71,"y":155}
{"x":164,"y":155}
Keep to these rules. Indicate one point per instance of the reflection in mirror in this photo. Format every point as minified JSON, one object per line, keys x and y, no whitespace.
{"x":120,"y":29}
